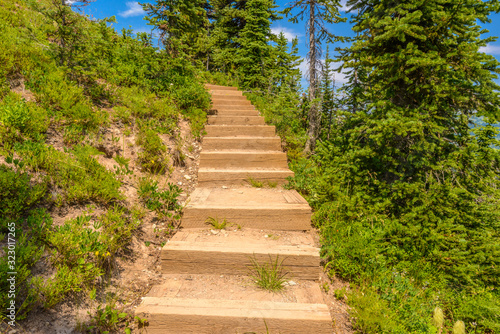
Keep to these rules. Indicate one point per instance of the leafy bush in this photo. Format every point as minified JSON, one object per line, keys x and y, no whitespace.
{"x":153,"y":157}
{"x":75,"y":176}
{"x":29,"y":235}
{"x":21,"y":120}
{"x":18,"y":195}
{"x":160,"y":201}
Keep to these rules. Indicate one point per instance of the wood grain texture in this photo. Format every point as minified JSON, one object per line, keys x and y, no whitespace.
{"x":235,"y":159}
{"x":242,"y":143}
{"x":209,"y":177}
{"x":232,"y":259}
{"x":292,"y":218}
{"x":236,"y":120}
{"x":240,"y":131}
{"x":230,"y":316}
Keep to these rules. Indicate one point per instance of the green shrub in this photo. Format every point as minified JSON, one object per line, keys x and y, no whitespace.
{"x":158,"y":114}
{"x":372,"y":314}
{"x":153,"y":157}
{"x":21,"y":120}
{"x":76,"y":176}
{"x":29,"y":235}
{"x":81,"y":251}
{"x":107,"y":319}
{"x":164,"y":202}
{"x":18,"y":195}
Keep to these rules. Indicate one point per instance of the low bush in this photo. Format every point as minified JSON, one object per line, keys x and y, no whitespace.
{"x":164,"y":202}
{"x":21,"y":120}
{"x":18,"y":194}
{"x":75,"y":176}
{"x":29,"y":234}
{"x":153,"y":157}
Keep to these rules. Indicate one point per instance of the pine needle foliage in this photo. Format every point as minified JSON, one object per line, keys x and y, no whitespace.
{"x":408,"y":183}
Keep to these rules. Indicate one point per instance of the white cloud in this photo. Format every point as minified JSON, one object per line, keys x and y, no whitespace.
{"x":289,"y":33}
{"x":343,"y":6}
{"x":490,"y":49}
{"x":134,"y":9}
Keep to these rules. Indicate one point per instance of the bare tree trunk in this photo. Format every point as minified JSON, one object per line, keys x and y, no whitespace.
{"x":63,"y":42}
{"x":313,"y":116}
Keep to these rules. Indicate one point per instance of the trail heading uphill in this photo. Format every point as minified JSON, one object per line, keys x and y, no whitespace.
{"x":210,"y":275}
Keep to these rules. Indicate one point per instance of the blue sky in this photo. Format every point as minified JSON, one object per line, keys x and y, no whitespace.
{"x":129,"y":14}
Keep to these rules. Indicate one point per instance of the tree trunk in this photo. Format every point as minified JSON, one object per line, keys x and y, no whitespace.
{"x":313,"y":116}
{"x":63,"y":42}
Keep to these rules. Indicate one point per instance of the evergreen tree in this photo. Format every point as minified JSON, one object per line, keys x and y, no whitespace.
{"x":317,"y":13}
{"x":69,"y":30}
{"x":181,"y":23}
{"x":253,"y":55}
{"x":410,"y":154}
{"x":285,"y":70}
{"x":228,"y":22}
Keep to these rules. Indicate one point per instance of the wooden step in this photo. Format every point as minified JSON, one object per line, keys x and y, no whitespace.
{"x":231,"y":103}
{"x":225,"y":108}
{"x":218,"y":87}
{"x":245,"y":159}
{"x":208,"y":316}
{"x":211,"y":177}
{"x":274,"y":209}
{"x":233,"y":252}
{"x":232,"y":98}
{"x":232,"y":304}
{"x":236,"y":120}
{"x":236,"y":112}
{"x":240,"y":130}
{"x":242,"y":143}
{"x":225,"y":93}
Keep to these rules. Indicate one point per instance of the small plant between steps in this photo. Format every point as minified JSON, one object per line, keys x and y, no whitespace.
{"x":260,"y":184}
{"x":270,"y":275}
{"x":218,"y":224}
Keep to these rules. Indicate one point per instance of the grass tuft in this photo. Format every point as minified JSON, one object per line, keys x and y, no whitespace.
{"x":217,"y":224}
{"x":269,"y":276}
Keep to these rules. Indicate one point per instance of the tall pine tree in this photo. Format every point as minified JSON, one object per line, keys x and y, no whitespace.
{"x":413,"y":153}
{"x":253,"y":55}
{"x":180,"y":22}
{"x":285,"y":71}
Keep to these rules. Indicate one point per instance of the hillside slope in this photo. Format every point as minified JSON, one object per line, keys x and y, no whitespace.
{"x":98,"y":146}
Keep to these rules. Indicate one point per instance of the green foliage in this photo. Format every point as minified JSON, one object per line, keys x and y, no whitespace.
{"x":164,"y":202}
{"x":270,"y":275}
{"x":107,"y":319}
{"x":181,"y":22}
{"x":29,"y":235}
{"x":406,"y":196}
{"x":253,"y":55}
{"x":260,"y":184}
{"x":217,"y":223}
{"x":21,"y":120}
{"x":156,"y":113}
{"x":153,"y":157}
{"x":75,"y":176}
{"x":372,"y":314}
{"x":18,"y":194}
{"x":62,"y":73}
{"x":281,"y":111}
{"x":81,"y":251}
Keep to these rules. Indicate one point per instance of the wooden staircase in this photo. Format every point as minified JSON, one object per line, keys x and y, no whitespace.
{"x":207,"y":288}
